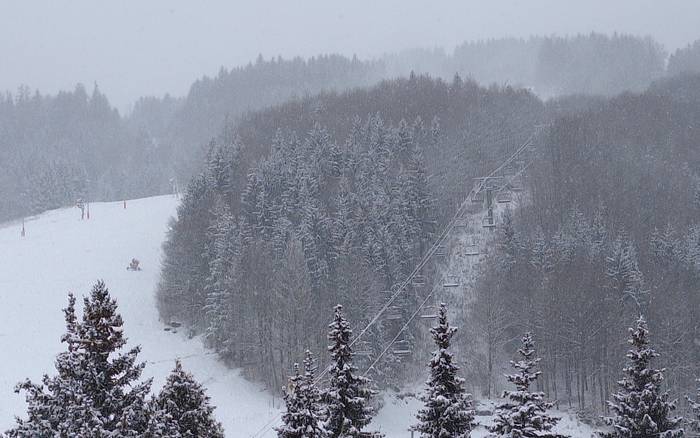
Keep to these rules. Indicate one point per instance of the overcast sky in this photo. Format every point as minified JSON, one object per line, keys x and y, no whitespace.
{"x":151,"y":47}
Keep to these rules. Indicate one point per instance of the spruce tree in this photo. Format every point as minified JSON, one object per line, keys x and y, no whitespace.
{"x":695,"y":407}
{"x":161,"y":423}
{"x":347,"y":398}
{"x":97,"y":390}
{"x":184,"y":400}
{"x":641,"y":409}
{"x":449,"y":410}
{"x":302,"y":399}
{"x":525,"y":412}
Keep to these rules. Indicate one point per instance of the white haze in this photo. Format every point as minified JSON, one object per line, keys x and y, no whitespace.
{"x":160,"y":46}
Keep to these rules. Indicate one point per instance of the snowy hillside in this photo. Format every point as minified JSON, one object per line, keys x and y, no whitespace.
{"x":61,"y":253}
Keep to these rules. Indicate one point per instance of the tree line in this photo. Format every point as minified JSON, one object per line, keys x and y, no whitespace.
{"x":610,"y":231}
{"x":57,"y":147}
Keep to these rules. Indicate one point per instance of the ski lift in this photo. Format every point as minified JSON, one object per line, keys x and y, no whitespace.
{"x":418,"y":280}
{"x":451,"y":281}
{"x":441,"y":251}
{"x":393,"y":313}
{"x":461,"y":223}
{"x":471,"y":249}
{"x":504,"y":197}
{"x":402,"y":348}
{"x":402,"y":353}
{"x":363,"y":349}
{"x":429,"y":312}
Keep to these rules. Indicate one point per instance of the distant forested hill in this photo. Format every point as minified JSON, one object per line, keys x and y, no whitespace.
{"x":61,"y":147}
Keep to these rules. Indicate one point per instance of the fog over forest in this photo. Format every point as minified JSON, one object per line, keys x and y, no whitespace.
{"x":373,"y":219}
{"x":161,"y":46}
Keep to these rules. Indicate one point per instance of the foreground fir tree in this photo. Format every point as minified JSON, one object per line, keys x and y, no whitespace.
{"x":525,"y":412}
{"x":641,"y":409}
{"x":96,"y":392}
{"x":695,"y":407}
{"x":184,"y":403}
{"x":303,"y":402}
{"x":449,"y":410}
{"x":347,"y":399}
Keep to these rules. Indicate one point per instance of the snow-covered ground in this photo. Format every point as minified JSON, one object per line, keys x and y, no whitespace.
{"x":61,"y":253}
{"x":399,"y":413}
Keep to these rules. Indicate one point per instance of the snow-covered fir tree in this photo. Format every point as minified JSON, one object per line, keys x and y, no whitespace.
{"x":96,"y":392}
{"x":524,"y":414}
{"x":184,"y":400}
{"x":161,"y":423}
{"x":303,"y":418}
{"x":449,"y":410}
{"x":695,"y":408}
{"x":348,"y":396}
{"x":623,"y":273}
{"x":640,"y":409}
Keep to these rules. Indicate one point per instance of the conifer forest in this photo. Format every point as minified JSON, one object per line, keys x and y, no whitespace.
{"x":319,"y":220}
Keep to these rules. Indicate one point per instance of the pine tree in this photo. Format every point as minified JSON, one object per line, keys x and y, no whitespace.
{"x":623,"y":272}
{"x":97,"y":390}
{"x":347,"y":398}
{"x":161,"y":423}
{"x":184,"y":400}
{"x":641,"y":409}
{"x":525,"y":412}
{"x":223,"y":254}
{"x":449,"y":410}
{"x":302,"y":399}
{"x":695,"y":407}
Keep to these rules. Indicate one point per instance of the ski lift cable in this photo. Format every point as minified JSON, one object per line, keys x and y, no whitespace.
{"x":189,"y":356}
{"x":450,"y":226}
{"x":428,"y":255}
{"x":433,"y":249}
{"x":405,"y":326}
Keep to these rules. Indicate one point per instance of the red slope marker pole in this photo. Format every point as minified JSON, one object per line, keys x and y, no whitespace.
{"x":88,"y":211}
{"x":125,"y":204}
{"x":23,"y":232}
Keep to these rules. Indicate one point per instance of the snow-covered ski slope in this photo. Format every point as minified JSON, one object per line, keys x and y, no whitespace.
{"x":61,"y":253}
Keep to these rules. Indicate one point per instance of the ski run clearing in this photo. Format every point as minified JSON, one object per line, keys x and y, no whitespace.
{"x":61,"y":253}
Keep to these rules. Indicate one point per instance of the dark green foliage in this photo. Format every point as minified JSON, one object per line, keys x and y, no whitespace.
{"x":304,"y":414}
{"x":96,"y":391}
{"x":449,"y":410}
{"x":347,"y":398}
{"x":524,"y":414}
{"x":640,"y":408}
{"x":184,"y":405}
